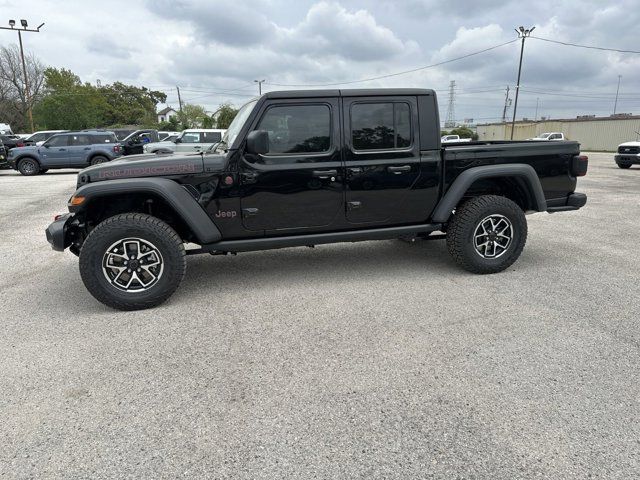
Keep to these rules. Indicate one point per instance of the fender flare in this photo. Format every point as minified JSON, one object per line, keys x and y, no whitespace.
{"x":172,"y":192}
{"x":461,"y":184}
{"x":26,"y":155}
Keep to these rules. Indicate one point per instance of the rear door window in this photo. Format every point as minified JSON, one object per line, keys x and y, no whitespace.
{"x":79,"y":140}
{"x":211,"y":137}
{"x":380,"y":126}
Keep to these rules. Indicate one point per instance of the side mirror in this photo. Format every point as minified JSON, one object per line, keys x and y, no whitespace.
{"x":177,"y":140}
{"x":258,"y":142}
{"x":45,"y":145}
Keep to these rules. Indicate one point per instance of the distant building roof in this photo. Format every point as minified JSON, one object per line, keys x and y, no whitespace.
{"x":166,"y":110}
{"x":579,"y":118}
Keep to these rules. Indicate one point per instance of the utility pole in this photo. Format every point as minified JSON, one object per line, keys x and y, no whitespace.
{"x":179,"y":97}
{"x":523,"y":33}
{"x":27,"y":94}
{"x":451,"y":116}
{"x":259,"y":82}
{"x":537,"y":102}
{"x":615,"y":105}
{"x":507,"y":102}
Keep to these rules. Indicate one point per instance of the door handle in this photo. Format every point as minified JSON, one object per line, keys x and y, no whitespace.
{"x":397,"y":170}
{"x":87,"y":148}
{"x":355,"y":170}
{"x":325,"y":173}
{"x":62,"y":150}
{"x":249,"y":212}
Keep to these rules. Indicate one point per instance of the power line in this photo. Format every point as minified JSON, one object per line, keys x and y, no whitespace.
{"x":392,"y":74}
{"x":586,"y":46}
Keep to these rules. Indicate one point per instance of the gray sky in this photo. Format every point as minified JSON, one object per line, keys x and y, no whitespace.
{"x":215,"y":49}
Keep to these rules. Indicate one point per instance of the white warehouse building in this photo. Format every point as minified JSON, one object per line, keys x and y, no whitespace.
{"x":593,"y":133}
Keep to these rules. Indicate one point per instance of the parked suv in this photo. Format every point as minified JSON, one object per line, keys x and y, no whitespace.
{"x":66,"y":150}
{"x":3,"y":156}
{"x":191,"y":140}
{"x":133,"y":143}
{"x":38,"y":138}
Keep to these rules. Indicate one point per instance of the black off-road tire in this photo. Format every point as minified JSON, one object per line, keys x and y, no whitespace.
{"x":98,"y":159}
{"x":132,"y":226}
{"x":28,"y":166}
{"x":624,"y":165}
{"x":465,"y":221}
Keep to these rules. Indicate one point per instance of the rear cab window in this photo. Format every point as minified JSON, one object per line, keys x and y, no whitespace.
{"x":380,"y":125}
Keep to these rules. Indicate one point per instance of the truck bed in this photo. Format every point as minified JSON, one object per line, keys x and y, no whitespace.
{"x":550,"y":160}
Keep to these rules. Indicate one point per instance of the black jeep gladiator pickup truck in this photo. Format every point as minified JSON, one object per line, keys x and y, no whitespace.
{"x":301,"y":168}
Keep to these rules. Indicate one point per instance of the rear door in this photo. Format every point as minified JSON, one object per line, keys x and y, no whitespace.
{"x":299,"y":184}
{"x":78,"y":149}
{"x":382,"y":158}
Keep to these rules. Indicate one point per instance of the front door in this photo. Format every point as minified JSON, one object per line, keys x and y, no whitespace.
{"x":382,"y":159}
{"x":54,"y":152}
{"x":299,"y":183}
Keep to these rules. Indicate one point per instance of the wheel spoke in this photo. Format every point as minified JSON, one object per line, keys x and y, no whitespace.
{"x":492,"y":236}
{"x":132,"y":264}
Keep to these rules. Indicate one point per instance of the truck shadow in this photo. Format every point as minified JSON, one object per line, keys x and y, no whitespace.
{"x":339,"y":261}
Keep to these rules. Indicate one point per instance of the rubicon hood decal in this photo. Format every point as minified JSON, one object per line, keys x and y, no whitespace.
{"x":125,"y":171}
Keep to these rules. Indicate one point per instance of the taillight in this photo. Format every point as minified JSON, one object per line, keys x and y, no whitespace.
{"x":116,"y":148}
{"x":19,"y":144}
{"x":579,"y":165}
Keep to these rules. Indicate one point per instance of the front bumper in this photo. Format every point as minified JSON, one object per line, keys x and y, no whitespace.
{"x":627,"y":159}
{"x":58,"y":232}
{"x":573,"y":201}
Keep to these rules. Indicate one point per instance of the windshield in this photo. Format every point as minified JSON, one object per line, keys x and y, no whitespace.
{"x":543,"y":135}
{"x":237,"y":123}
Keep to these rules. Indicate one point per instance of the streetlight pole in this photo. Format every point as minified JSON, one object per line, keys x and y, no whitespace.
{"x":12,"y":24}
{"x":259,"y":82}
{"x":615,"y":105}
{"x":523,"y":33}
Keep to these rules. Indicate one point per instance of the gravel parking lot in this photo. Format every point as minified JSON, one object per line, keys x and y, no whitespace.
{"x":368,"y":360}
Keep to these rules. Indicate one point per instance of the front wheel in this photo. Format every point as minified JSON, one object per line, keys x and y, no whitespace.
{"x":487,"y":234}
{"x":132,"y":261}
{"x":624,"y":165}
{"x":28,"y":167}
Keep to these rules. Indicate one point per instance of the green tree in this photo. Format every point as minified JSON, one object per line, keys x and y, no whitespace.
{"x":130,"y":105}
{"x":226,"y":114}
{"x":464,"y":132}
{"x":69,"y":104}
{"x":192,"y":116}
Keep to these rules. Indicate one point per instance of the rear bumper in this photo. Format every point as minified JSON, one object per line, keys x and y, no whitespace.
{"x":573,"y":201}
{"x":628,"y":159}
{"x":58,"y":232}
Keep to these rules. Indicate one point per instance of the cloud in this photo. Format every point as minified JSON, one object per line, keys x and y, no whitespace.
{"x":104,"y":46}
{"x":331,"y":30}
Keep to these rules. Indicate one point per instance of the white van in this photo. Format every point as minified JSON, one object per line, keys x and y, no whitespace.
{"x":5,"y":129}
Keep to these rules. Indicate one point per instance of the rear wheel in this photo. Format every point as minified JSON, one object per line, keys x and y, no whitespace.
{"x":487,"y":234}
{"x":132,"y":261}
{"x":28,"y":166}
{"x":98,"y":159}
{"x":624,"y":165}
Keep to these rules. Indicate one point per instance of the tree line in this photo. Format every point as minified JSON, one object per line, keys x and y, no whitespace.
{"x":61,"y":101}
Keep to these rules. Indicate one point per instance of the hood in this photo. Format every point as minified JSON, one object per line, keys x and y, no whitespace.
{"x":152,"y":165}
{"x":630,"y":144}
{"x":28,"y":148}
